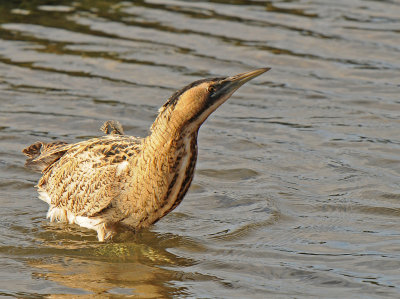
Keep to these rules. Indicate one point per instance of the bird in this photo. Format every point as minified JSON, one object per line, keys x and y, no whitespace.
{"x":118,"y":182}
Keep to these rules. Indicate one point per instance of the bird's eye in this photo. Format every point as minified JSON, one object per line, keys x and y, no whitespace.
{"x":211,"y":88}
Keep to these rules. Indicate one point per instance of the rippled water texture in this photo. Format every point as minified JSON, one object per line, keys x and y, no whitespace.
{"x":296,"y":192}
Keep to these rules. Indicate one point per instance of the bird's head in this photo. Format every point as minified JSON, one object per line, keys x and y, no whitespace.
{"x":189,"y":107}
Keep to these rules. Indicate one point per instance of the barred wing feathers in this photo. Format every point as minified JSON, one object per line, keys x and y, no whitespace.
{"x":84,"y":179}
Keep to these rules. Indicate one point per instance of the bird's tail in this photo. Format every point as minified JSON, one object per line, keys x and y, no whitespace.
{"x":42,"y":155}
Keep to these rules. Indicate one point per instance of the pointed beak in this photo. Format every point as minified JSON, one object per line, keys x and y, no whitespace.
{"x":231,"y":84}
{"x":240,"y":79}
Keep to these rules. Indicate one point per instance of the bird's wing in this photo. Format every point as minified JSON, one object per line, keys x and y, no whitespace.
{"x":41,"y":155}
{"x":86,"y":179}
{"x":112,"y":127}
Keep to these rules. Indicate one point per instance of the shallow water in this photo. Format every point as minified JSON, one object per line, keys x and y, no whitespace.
{"x":296,"y":192}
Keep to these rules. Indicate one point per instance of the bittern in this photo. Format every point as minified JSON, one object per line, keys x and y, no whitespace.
{"x":119,"y":181}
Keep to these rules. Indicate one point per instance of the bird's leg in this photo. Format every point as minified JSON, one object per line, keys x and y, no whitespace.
{"x":105,"y":232}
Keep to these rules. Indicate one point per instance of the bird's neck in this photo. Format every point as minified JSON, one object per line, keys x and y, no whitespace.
{"x":163,"y":172}
{"x":163,"y":135}
{"x":174,"y":123}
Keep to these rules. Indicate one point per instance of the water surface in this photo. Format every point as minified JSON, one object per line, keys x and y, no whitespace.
{"x":296,"y":192}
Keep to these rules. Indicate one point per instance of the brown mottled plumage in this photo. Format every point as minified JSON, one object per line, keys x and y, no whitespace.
{"x":119,"y":181}
{"x":112,"y":127}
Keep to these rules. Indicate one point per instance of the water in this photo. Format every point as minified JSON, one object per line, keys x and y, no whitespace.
{"x":296,"y":192}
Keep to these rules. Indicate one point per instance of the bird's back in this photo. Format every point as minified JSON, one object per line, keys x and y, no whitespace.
{"x":82,"y":177}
